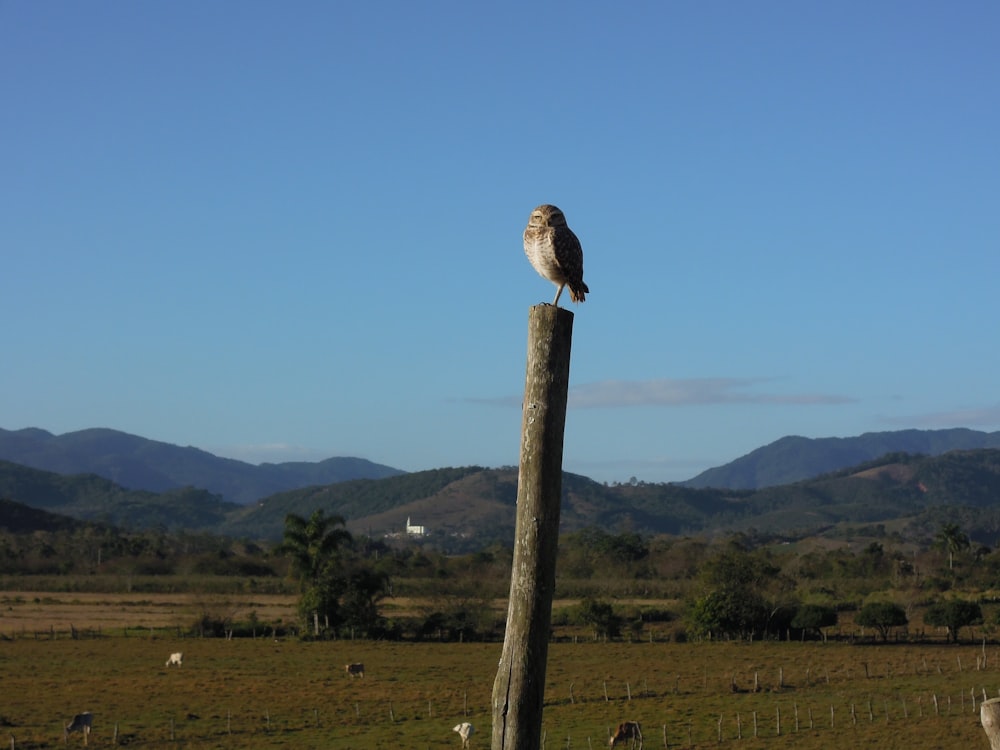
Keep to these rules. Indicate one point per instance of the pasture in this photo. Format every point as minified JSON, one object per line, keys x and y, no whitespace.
{"x":285,"y":693}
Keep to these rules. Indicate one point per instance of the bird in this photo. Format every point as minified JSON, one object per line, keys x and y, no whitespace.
{"x":555,"y":252}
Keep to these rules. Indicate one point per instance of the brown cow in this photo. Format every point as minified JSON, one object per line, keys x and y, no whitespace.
{"x":81,"y":723}
{"x":355,"y":670}
{"x":627,"y":730}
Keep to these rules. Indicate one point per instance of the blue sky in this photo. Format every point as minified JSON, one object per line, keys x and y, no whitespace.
{"x":290,"y":231}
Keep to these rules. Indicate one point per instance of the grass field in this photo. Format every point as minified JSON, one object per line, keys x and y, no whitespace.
{"x":30,"y":611}
{"x":263,"y":693}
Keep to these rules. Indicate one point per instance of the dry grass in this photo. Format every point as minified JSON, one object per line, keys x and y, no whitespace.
{"x":30,"y":611}
{"x":24,"y":612}
{"x":252,"y":693}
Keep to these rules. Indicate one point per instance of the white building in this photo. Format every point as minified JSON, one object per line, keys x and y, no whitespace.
{"x":414,"y":530}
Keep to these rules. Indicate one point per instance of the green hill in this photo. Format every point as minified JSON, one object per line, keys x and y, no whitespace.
{"x":17,"y":518}
{"x":794,"y":458}
{"x":91,"y":498}
{"x":469,"y":507}
{"x":141,"y":464}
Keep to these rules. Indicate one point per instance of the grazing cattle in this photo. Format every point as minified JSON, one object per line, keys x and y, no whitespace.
{"x":176,"y":658}
{"x":465,"y":730}
{"x":81,"y":723}
{"x":627,"y":730}
{"x":355,"y":670}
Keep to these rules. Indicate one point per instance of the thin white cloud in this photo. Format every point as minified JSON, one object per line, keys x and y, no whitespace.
{"x":611,"y":394}
{"x":686,"y":392}
{"x":987,"y":416}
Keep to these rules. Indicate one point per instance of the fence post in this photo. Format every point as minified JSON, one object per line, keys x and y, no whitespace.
{"x":519,"y":687}
{"x":989,"y":717}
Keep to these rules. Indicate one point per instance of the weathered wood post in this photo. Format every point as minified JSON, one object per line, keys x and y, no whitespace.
{"x":519,"y":688}
{"x":989,"y":716}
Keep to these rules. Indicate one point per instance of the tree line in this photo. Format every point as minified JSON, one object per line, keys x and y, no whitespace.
{"x":746,"y":586}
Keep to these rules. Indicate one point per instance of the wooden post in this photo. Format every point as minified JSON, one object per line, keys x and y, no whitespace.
{"x":989,"y":716}
{"x":519,"y":688}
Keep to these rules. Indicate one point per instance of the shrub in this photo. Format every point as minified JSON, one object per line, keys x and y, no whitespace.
{"x":883,"y":616}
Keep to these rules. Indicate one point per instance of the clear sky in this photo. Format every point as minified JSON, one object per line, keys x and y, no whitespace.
{"x":291,"y":231}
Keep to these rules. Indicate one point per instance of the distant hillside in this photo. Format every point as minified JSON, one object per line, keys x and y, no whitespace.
{"x":18,"y":518}
{"x":793,"y":458}
{"x":477,"y":503}
{"x":468,"y":508}
{"x":89,"y":497}
{"x":446,"y":501}
{"x":141,"y":464}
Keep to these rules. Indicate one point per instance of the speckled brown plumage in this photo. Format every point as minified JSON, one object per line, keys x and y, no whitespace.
{"x":555,"y":252}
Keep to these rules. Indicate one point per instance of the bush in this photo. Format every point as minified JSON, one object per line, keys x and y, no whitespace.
{"x":812,"y":618}
{"x":600,"y":617}
{"x":883,"y":616}
{"x":954,"y":615}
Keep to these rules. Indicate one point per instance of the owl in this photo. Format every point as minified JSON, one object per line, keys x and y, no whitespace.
{"x":555,"y":252}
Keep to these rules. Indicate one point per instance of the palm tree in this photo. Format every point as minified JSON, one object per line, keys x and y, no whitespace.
{"x":313,"y":544}
{"x":951,"y":539}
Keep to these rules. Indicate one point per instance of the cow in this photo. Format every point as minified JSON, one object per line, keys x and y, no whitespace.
{"x":465,"y":730}
{"x":355,"y":670}
{"x":81,"y":723}
{"x":176,"y":658}
{"x":627,"y":730}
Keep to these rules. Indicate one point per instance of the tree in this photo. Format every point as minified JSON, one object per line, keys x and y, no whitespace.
{"x":601,"y":617}
{"x":313,"y":545}
{"x":953,"y":614}
{"x":736,"y":612}
{"x":363,"y":590}
{"x":814,"y":617}
{"x":736,"y":601}
{"x":883,"y":616}
{"x":951,"y":539}
{"x":735,"y":567}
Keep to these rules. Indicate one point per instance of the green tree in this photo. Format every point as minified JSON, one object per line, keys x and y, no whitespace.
{"x":883,"y":616}
{"x":953,"y":614}
{"x":736,"y":602}
{"x":735,"y":567}
{"x":601,"y":617}
{"x":363,"y":589}
{"x":813,"y":618}
{"x":952,"y":540}
{"x":313,"y":545}
{"x":735,"y":612}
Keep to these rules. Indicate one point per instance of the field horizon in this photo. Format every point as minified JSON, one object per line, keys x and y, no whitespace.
{"x":290,"y":693}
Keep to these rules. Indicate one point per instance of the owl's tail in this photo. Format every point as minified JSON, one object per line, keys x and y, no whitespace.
{"x":577,"y":290}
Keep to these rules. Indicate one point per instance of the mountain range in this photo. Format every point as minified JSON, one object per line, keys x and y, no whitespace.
{"x":793,"y":458}
{"x":467,"y":507}
{"x":142,"y":464}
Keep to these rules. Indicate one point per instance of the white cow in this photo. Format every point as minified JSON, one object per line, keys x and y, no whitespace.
{"x":465,"y":730}
{"x":81,"y":723}
{"x":176,"y":658}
